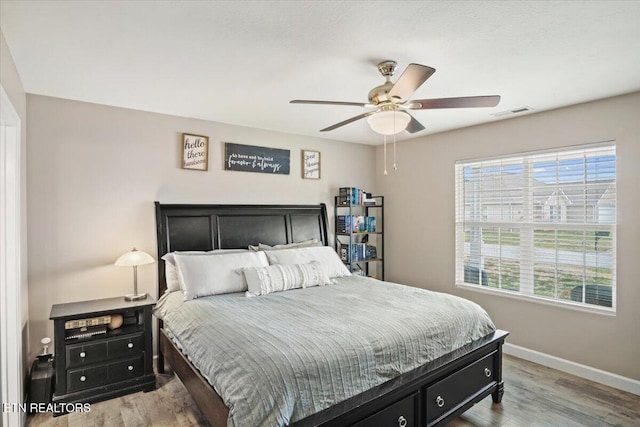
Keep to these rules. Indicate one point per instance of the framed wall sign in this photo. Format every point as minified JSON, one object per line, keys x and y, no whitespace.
{"x":195,"y":152}
{"x":251,"y":158}
{"x":310,"y":164}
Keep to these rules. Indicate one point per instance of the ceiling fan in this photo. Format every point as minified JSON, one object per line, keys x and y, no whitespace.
{"x":390,"y":101}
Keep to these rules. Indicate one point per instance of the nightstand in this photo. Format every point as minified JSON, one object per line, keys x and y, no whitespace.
{"x":90,"y":368}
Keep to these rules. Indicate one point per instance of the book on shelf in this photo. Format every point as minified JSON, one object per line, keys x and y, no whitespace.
{"x":343,"y":224}
{"x":84,"y":323}
{"x":357,"y":252}
{"x":355,"y":196}
{"x":370,"y":252}
{"x":359,"y":224}
{"x":351,"y":195}
{"x":355,"y":224}
{"x":351,"y":253}
{"x":370,"y":223}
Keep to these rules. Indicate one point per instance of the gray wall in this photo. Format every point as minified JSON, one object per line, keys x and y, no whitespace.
{"x":419,"y":226}
{"x":94,"y":172}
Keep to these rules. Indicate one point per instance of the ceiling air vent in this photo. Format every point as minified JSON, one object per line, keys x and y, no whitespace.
{"x":511,"y":112}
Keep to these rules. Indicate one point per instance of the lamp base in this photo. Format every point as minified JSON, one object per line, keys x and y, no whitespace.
{"x":135,"y":297}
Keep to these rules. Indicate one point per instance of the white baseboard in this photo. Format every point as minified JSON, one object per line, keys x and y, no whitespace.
{"x":603,"y":377}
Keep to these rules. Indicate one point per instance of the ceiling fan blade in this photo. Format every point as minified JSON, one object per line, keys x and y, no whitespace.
{"x":414,"y":125}
{"x":305,"y":101}
{"x":410,"y":80}
{"x":462,"y":102}
{"x":346,"y":122}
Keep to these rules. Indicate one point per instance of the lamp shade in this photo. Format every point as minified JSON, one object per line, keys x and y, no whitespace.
{"x":389,"y":122}
{"x":133,"y":258}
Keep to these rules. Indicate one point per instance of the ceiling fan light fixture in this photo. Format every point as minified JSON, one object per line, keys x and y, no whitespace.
{"x":390,"y":100}
{"x":389,"y":122}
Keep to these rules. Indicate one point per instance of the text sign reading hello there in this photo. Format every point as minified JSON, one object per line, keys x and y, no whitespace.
{"x":195,"y":152}
{"x":249,"y":158}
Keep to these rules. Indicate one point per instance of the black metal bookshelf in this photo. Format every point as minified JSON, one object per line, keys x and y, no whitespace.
{"x":355,"y":247}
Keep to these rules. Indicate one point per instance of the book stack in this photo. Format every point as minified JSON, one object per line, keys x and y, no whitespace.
{"x":359,"y":224}
{"x":370,"y":223}
{"x":368,"y":200}
{"x":356,"y":224}
{"x":357,"y":252}
{"x":370,"y":252}
{"x":352,"y":253}
{"x":351,"y":195}
{"x":344,"y":224}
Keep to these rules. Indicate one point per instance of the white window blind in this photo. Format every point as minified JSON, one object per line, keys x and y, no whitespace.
{"x":540,"y":225}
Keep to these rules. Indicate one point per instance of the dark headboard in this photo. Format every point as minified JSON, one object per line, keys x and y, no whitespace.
{"x":207,"y":227}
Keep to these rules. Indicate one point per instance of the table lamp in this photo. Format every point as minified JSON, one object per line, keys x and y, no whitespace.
{"x":134,"y":258}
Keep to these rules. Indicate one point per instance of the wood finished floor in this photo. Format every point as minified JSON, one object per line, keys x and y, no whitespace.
{"x":534,"y":396}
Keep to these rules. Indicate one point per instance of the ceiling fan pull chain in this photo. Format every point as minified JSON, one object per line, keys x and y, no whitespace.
{"x":385,"y":154}
{"x":395,"y":168}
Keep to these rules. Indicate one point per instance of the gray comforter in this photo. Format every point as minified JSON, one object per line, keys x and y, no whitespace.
{"x":278,"y":358}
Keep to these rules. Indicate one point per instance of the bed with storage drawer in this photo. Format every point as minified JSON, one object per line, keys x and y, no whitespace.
{"x":328,"y":349}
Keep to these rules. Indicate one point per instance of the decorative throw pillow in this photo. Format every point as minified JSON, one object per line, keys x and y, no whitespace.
{"x":204,"y":274}
{"x":325,"y":255}
{"x":282,"y":277}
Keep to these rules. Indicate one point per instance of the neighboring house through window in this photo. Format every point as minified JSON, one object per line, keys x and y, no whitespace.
{"x":540,"y":225}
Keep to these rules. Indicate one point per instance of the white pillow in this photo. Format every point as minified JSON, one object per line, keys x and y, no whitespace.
{"x":204,"y":274}
{"x":171,"y":277}
{"x":282,"y":277}
{"x":171,"y":272}
{"x":263,"y":247}
{"x":325,"y":255}
{"x":169,"y":257}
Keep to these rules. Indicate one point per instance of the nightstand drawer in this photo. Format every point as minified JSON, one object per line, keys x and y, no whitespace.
{"x":127,"y":346}
{"x":447,"y":394}
{"x":84,"y":354}
{"x":126,"y":369}
{"x":80,"y":379}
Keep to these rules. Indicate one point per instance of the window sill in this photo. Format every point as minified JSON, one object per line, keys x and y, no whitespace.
{"x":607,"y":311}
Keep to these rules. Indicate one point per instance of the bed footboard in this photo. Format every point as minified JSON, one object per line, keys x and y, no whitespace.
{"x":431,"y":395}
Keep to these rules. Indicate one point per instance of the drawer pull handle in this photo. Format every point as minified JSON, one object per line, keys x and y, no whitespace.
{"x":130,"y":367}
{"x":83,"y":378}
{"x":402,"y":421}
{"x":439,"y":401}
{"x":487,"y":372}
{"x":83,"y":354}
{"x":130,"y":345}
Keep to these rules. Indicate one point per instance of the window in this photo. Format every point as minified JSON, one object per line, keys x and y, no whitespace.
{"x":540,"y":225}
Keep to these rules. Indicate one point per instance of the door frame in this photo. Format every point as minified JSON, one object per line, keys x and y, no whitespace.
{"x":11,"y":279}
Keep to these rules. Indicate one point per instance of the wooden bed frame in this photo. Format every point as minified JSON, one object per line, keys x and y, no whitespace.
{"x":430,"y":395}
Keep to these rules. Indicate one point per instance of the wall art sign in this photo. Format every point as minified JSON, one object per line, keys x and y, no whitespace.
{"x":310,"y":164}
{"x":195,"y":152}
{"x":250,"y":158}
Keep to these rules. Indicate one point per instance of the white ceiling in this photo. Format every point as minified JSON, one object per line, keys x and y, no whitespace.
{"x":242,"y":62}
